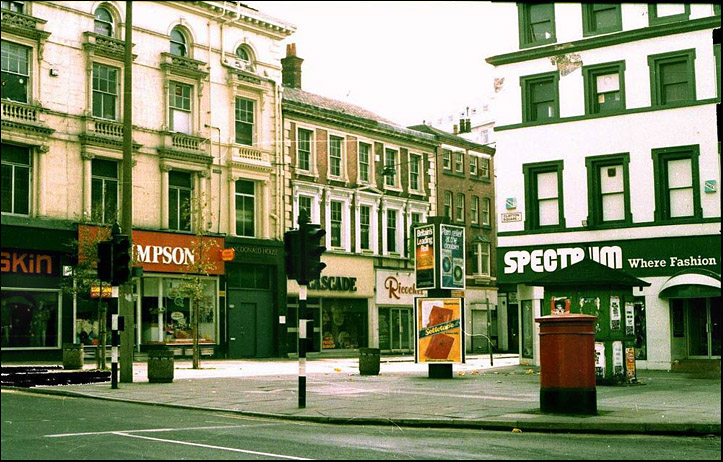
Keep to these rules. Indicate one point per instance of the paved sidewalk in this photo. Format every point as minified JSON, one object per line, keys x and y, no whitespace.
{"x":478,"y":396}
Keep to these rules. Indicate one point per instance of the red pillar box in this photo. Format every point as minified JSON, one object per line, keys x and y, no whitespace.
{"x":567,"y":364}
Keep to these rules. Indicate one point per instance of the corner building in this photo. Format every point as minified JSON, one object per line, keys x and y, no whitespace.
{"x":607,"y":150}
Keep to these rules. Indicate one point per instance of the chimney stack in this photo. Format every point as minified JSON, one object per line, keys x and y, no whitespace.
{"x":291,"y":68}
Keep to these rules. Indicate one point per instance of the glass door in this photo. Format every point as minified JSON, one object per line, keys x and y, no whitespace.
{"x":395,"y":329}
{"x":704,"y":339}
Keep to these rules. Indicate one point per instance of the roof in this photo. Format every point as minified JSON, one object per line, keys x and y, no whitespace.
{"x":453,"y":139}
{"x":589,"y":274}
{"x":321,"y":106}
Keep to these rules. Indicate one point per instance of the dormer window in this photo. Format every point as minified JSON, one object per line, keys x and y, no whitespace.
{"x":103,"y":22}
{"x":179,"y":45}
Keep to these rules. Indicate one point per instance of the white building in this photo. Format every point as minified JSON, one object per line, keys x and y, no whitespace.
{"x":607,"y":147}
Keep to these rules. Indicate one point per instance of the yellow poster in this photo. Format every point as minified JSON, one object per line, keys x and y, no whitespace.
{"x":439,"y":330}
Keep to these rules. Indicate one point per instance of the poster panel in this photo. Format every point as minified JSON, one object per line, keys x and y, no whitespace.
{"x":451,"y":256}
{"x":424,"y":257}
{"x":439,"y":330}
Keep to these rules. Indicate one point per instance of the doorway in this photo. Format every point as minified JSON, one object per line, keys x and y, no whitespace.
{"x":250,"y":322}
{"x":704,"y":336}
{"x":395,"y":330}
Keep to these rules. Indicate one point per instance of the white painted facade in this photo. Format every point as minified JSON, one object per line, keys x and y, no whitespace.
{"x":637,"y":131}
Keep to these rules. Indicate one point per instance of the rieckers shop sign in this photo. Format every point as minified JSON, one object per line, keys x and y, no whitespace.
{"x":643,"y":257}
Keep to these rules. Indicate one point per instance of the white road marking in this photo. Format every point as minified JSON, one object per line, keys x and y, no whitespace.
{"x":155,"y":430}
{"x":207,"y":446}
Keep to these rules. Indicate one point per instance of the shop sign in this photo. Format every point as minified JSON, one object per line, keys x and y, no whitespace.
{"x":451,"y":254}
{"x":511,"y":217}
{"x":397,"y":288}
{"x":640,"y":257}
{"x":29,"y":263}
{"x":174,"y":253}
{"x":108,"y":291}
{"x":439,"y":336}
{"x":334,"y":283}
{"x":424,"y":252}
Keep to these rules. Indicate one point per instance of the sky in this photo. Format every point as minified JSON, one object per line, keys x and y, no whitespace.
{"x":406,"y":61}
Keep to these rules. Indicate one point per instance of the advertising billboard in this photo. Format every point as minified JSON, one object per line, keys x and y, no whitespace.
{"x":439,"y":330}
{"x":451,"y":255}
{"x":424,"y":257}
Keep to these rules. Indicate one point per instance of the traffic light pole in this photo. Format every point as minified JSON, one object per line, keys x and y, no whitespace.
{"x":302,"y":346}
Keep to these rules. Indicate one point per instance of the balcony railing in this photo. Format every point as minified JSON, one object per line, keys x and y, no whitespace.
{"x":252,"y":155}
{"x":105,"y":46}
{"x":108,"y":128}
{"x":22,"y":24}
{"x":25,"y":116}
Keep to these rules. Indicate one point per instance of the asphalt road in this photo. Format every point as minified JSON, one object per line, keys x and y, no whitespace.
{"x":52,"y":427}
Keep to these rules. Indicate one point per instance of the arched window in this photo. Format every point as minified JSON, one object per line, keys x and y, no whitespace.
{"x":179,"y":45}
{"x":242,"y":54}
{"x":103,"y":22}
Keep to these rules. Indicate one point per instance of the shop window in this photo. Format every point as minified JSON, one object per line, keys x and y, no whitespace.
{"x":180,"y":108}
{"x":15,"y":72}
{"x":179,"y":200}
{"x":167,"y":313}
{"x":104,"y":191}
{"x":15,"y":179}
{"x":245,"y":121}
{"x":245,"y":208}
{"x":600,"y":18}
{"x":343,"y":324}
{"x":303,"y":149}
{"x":604,"y":88}
{"x":672,"y":77}
{"x":87,"y":320}
{"x":30,"y":319}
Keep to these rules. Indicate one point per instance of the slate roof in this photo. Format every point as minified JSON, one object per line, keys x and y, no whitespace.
{"x":318,"y":105}
{"x":453,"y":139}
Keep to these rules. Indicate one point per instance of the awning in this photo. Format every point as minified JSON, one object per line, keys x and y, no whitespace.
{"x":589,"y":274}
{"x":692,"y":284}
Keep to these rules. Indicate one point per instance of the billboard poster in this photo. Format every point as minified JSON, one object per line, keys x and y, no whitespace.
{"x":424,"y":257}
{"x":629,"y":318}
{"x":439,"y":330}
{"x":600,"y":359}
{"x":630,"y":364}
{"x":615,"y":312}
{"x":451,"y":255}
{"x":618,"y":358}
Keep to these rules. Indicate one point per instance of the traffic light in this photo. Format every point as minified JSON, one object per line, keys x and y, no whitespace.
{"x":105,"y":261}
{"x":292,"y":245}
{"x":121,"y":259}
{"x":311,"y":250}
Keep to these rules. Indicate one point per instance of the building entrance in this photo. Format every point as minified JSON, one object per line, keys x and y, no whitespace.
{"x":704,"y":336}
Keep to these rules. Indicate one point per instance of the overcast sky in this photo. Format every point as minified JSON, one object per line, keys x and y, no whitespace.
{"x":406,"y":61}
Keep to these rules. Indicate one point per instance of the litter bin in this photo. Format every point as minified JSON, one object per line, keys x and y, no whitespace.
{"x":160,"y":366}
{"x":72,"y":356}
{"x":567,"y":364}
{"x":369,"y":361}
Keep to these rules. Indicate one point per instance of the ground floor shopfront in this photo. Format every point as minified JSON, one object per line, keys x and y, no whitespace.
{"x":676,"y":317}
{"x":36,"y":306}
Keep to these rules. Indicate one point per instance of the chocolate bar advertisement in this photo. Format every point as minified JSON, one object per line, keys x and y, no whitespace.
{"x":439,"y":332}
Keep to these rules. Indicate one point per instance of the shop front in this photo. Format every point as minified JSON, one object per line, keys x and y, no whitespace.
{"x":36,"y":305}
{"x":256,"y":287}
{"x":396,"y":291}
{"x":341,"y":305}
{"x":180,"y":288}
{"x":676,"y":317}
